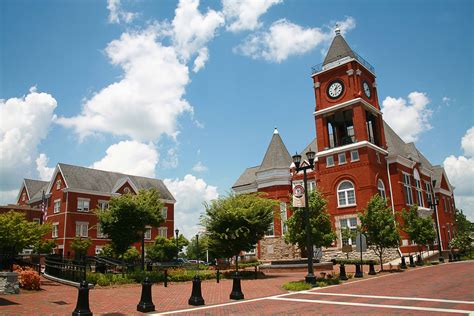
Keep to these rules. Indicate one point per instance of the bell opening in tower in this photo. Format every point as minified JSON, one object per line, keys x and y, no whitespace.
{"x":372,"y":129}
{"x":340,"y":128}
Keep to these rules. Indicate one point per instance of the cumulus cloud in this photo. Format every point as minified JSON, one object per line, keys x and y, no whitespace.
{"x":117,"y":14}
{"x":129,"y":157}
{"x":199,"y":167}
{"x":147,"y":102}
{"x":201,"y":59}
{"x":25,"y":122}
{"x":284,"y":39}
{"x":408,"y":119}
{"x":460,"y":171}
{"x":8,"y":196}
{"x":190,"y":193}
{"x":244,"y":14}
{"x":45,"y":172}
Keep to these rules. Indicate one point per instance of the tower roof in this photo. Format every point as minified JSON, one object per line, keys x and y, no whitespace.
{"x":338,"y":49}
{"x":277,"y":156}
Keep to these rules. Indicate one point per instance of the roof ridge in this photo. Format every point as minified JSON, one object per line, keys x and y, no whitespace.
{"x":108,"y":171}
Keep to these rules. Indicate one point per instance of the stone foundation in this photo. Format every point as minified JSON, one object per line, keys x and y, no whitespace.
{"x":275,"y":248}
{"x":334,"y":253}
{"x":9,"y":283}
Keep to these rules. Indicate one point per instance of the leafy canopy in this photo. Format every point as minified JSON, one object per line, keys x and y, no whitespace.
{"x":192,"y":251}
{"x":81,"y":245}
{"x":419,"y":229}
{"x":125,"y":219}
{"x":236,"y":223}
{"x":378,"y":224}
{"x":462,"y":241}
{"x":17,"y":233}
{"x":322,"y":234}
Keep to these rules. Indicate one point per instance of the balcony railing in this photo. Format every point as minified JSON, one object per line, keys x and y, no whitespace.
{"x":365,"y":63}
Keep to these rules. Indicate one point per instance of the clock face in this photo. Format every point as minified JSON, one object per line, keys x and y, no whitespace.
{"x":335,"y":89}
{"x":366,"y":87}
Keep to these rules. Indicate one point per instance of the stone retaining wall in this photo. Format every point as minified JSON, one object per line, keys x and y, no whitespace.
{"x":9,"y":283}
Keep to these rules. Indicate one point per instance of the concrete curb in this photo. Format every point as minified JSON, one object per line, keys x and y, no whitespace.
{"x":65,"y":282}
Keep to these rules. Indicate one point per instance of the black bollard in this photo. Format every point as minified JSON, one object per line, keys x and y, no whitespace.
{"x":236,"y":293}
{"x":450,"y":257}
{"x":256,"y":273}
{"x":412,"y":262}
{"x":82,"y":306}
{"x":196,"y":295}
{"x":372,"y":268}
{"x":342,"y":273}
{"x":403,"y":265}
{"x":218,"y":274}
{"x":419,"y":260}
{"x":146,"y":303}
{"x":441,"y":259}
{"x":166,"y":278}
{"x":359,"y":273}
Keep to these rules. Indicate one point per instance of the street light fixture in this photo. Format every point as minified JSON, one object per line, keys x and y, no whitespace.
{"x":310,"y":278}
{"x":432,"y":204}
{"x":176,"y":231}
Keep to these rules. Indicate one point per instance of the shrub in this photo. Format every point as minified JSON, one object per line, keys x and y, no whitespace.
{"x":29,"y":280}
{"x":296,"y":286}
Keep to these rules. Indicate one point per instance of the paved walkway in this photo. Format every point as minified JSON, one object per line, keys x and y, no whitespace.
{"x":454,"y":281}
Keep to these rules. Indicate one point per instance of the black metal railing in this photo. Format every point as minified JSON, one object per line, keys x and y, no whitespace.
{"x":66,"y":270}
{"x":353,"y":54}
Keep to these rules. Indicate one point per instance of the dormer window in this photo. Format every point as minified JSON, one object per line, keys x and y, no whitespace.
{"x":23,"y":196}
{"x":58,"y":185}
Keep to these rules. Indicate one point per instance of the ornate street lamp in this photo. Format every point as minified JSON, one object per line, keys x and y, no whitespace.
{"x":176,"y":231}
{"x":433,"y":205}
{"x":310,"y":278}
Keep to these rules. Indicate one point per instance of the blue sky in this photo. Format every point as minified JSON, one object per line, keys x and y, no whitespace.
{"x":190,"y":92}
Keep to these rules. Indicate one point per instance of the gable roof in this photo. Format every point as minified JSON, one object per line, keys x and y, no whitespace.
{"x":88,"y":179}
{"x":276,"y":156}
{"x":247,"y":177}
{"x":35,"y":188}
{"x":338,"y":50}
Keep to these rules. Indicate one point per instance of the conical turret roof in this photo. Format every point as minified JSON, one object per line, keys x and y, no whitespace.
{"x":338,"y":49}
{"x":277,"y":156}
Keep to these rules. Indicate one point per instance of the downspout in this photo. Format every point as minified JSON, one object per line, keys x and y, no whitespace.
{"x":391,"y":201}
{"x":65,"y":224}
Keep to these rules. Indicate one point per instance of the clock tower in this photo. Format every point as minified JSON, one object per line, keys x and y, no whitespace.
{"x":349,"y":130}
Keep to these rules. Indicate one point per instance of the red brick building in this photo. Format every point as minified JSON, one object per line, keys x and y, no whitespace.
{"x":357,"y":156}
{"x":73,"y":192}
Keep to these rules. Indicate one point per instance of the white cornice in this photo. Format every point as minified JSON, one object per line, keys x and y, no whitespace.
{"x":341,"y":62}
{"x":248,"y":188}
{"x":336,"y":107}
{"x":350,"y":147}
{"x":443,"y":191}
{"x":401,"y":160}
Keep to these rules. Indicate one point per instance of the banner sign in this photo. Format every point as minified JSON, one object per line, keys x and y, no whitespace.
{"x":298,"y":196}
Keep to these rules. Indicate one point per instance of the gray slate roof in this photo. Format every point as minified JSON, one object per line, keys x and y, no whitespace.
{"x":35,"y":188}
{"x":89,"y":179}
{"x":247,"y":177}
{"x":313,"y":146}
{"x":338,"y":49}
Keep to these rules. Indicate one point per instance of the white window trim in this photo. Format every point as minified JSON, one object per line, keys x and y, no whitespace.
{"x":345,"y":194}
{"x":99,"y":206}
{"x":99,"y":233}
{"x":164,"y":212}
{"x":332,"y":164}
{"x":80,"y":233}
{"x":339,"y":158}
{"x":53,"y":235}
{"x":79,"y":199}
{"x":273,"y":230}
{"x":379,"y":181}
{"x":284,"y":217}
{"x":147,"y":232}
{"x":408,"y":186}
{"x":161,"y":230}
{"x":54,"y":206}
{"x":358,"y":157}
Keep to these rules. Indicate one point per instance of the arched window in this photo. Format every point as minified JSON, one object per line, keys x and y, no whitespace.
{"x":346,"y":194}
{"x":381,"y":189}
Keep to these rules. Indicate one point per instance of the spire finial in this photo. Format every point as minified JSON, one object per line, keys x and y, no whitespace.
{"x":337,"y":30}
{"x":275,"y":131}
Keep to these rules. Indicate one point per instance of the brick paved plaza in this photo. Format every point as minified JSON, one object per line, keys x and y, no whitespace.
{"x":442,"y":289}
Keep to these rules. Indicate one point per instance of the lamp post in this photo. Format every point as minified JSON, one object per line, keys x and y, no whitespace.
{"x":176,"y":231}
{"x":310,"y":278}
{"x":432,"y":204}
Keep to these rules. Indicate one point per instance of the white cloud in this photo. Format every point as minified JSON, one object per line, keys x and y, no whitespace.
{"x":199,"y":167}
{"x":460,"y":171}
{"x":147,"y":102}
{"x":117,"y":14}
{"x":446,"y":101}
{"x":193,"y":30}
{"x":8,"y":196}
{"x":190,"y":194}
{"x":44,"y":171}
{"x":284,"y":39}
{"x":171,"y":161}
{"x":24,"y":124}
{"x":244,"y":14}
{"x":408,"y":120}
{"x":346,"y":25}
{"x":129,"y":157}
{"x":201,"y":59}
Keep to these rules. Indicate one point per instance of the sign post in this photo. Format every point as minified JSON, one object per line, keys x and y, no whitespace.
{"x":361,"y":245}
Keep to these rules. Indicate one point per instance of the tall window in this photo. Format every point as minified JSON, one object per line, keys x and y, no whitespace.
{"x":350,"y":223}
{"x":407,"y":189}
{"x":23,"y":196}
{"x":83,"y":205}
{"x":58,"y":184}
{"x":419,"y":193}
{"x":381,"y":189}
{"x":332,"y":136}
{"x":82,"y":229}
{"x":329,"y":161}
{"x":54,"y":233}
{"x":271,"y":230}
{"x":346,"y":194}
{"x":164,"y":212}
{"x":147,"y":232}
{"x":103,"y":205}
{"x":163,"y":232}
{"x":428,"y":193}
{"x":57,"y":206}
{"x":311,"y":186}
{"x":341,"y":158}
{"x":100,"y":232}
{"x":354,"y":155}
{"x":444,"y":204}
{"x":284,"y":217}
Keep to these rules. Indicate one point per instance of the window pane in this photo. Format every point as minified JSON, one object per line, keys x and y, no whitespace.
{"x":342,"y":158}
{"x":351,"y":197}
{"x":353,"y":222}
{"x":342,"y":198}
{"x":345,"y":185}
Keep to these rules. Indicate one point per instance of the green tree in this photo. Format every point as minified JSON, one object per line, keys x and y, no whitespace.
{"x":463,"y":225}
{"x":108,"y":251}
{"x":191,"y":250}
{"x":81,"y":246}
{"x":462,"y":239}
{"x":126,"y":217}
{"x":131,"y":255}
{"x":419,"y":229}
{"x":236,"y":223}
{"x":322,"y":234}
{"x":44,"y":246}
{"x":163,"y":249}
{"x":17,"y":233}
{"x":378,"y":224}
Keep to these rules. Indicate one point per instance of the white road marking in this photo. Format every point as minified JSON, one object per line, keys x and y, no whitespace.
{"x":392,"y":297}
{"x":426,"y":309}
